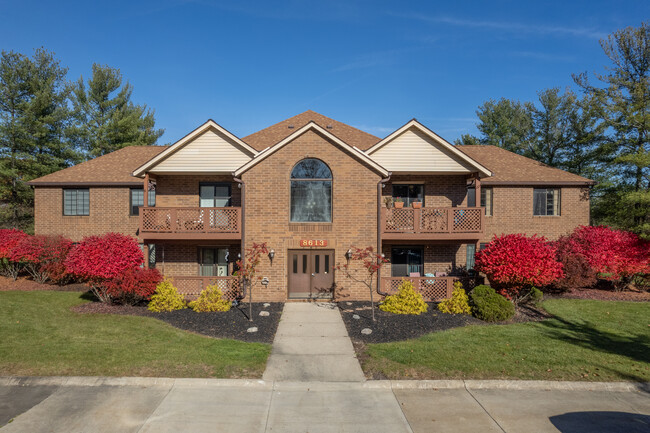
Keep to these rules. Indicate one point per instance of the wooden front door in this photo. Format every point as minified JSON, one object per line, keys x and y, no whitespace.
{"x":311,"y":274}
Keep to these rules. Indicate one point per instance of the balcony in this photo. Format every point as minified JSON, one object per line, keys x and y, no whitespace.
{"x":180,"y":223}
{"x":432,"y":223}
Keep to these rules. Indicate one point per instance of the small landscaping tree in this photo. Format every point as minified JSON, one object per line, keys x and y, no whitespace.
{"x":371,"y":263}
{"x":166,"y":298}
{"x":9,"y":238}
{"x":133,"y":285}
{"x":458,"y":303}
{"x":615,"y":255}
{"x":515,"y":263}
{"x":98,"y":259}
{"x":210,"y":300}
{"x":42,"y":256}
{"x":405,"y":301}
{"x":247,"y":270}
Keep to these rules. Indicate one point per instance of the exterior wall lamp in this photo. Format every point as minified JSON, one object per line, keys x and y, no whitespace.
{"x":348,"y":255}
{"x":271,"y":255}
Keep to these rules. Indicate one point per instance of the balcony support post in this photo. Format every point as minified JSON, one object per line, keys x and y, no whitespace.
{"x":145,"y":198}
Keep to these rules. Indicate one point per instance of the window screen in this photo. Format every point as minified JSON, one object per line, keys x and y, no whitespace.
{"x":137,"y":200}
{"x":546,"y":201}
{"x":76,"y":202}
{"x":471,"y":250}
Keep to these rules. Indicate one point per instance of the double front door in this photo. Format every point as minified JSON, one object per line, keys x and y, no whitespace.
{"x":311,"y":274}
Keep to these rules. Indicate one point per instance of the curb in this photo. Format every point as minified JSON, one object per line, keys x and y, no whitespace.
{"x":475,"y":385}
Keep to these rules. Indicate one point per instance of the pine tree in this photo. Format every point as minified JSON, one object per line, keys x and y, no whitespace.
{"x":15,"y":148}
{"x":625,"y":96}
{"x":106,"y":119}
{"x":507,"y":124}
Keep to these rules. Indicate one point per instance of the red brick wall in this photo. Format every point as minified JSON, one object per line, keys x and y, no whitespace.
{"x":183,"y":191}
{"x":439,"y":191}
{"x":354,"y":210}
{"x":513,"y":213}
{"x":109,"y":212}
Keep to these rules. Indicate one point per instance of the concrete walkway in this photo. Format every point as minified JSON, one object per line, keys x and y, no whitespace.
{"x":312,"y":344}
{"x":139,"y":405}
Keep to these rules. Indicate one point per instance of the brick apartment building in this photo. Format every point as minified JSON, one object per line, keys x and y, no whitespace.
{"x":311,"y":188}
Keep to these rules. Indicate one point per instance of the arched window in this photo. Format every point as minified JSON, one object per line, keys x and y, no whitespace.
{"x":311,"y":192}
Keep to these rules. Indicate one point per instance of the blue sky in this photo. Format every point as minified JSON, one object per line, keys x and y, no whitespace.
{"x":371,"y":64}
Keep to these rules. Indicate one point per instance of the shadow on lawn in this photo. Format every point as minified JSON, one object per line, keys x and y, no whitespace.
{"x":583,"y":334}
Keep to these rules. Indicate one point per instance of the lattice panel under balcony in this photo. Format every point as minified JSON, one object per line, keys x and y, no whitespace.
{"x":467,"y":220}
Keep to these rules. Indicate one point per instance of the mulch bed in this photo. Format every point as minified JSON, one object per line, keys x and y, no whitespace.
{"x":395,"y":327}
{"x":230,"y":324}
{"x":25,"y":284}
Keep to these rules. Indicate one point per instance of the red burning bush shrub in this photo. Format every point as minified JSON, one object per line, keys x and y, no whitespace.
{"x":515,"y":263}
{"x":133,"y":286}
{"x":42,"y":256}
{"x":9,"y":238}
{"x":98,"y":259}
{"x":616,"y":255}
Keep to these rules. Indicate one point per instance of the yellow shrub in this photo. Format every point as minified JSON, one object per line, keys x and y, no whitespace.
{"x":405,"y":301}
{"x":166,"y":298}
{"x":210,"y":299}
{"x":458,"y":303}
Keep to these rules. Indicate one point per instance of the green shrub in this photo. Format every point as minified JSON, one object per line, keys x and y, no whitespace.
{"x":405,"y":301}
{"x":210,"y":300}
{"x":458,"y":303}
{"x":166,"y":298}
{"x":489,"y":306}
{"x":535,"y":296}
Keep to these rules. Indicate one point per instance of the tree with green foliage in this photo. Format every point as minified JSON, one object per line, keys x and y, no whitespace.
{"x":625,"y":99}
{"x":506,"y":123}
{"x":106,"y":119}
{"x":33,"y":120}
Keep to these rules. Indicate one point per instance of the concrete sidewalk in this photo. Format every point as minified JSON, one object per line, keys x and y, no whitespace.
{"x":312,"y":344}
{"x":70,"y":405}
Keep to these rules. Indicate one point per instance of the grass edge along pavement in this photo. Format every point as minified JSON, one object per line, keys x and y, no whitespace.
{"x":42,"y":337}
{"x":584,"y":341}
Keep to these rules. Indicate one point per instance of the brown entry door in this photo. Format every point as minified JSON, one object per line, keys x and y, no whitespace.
{"x":311,"y":273}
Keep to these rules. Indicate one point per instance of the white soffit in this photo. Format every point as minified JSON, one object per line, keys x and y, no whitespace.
{"x":415,"y":148}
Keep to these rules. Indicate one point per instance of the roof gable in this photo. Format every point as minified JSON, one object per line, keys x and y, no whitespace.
{"x":415,"y":148}
{"x":353,"y":151}
{"x":268,"y":137}
{"x":210,"y":148}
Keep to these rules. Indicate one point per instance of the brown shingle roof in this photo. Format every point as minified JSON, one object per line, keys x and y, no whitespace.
{"x":508,"y":167}
{"x":260,"y":140}
{"x":113,"y":168}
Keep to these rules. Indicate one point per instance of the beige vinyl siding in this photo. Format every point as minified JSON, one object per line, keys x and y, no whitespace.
{"x":209,"y":152}
{"x":413,"y":151}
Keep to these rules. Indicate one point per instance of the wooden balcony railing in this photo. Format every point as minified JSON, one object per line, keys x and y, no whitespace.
{"x":190,"y":222}
{"x":431,"y":288}
{"x":191,"y":287}
{"x":433,"y":222}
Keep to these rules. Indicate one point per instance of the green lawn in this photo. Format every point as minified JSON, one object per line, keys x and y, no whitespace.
{"x":40,"y":336}
{"x":587,"y":340}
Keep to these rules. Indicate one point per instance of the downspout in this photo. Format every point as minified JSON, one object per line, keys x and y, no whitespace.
{"x":242,"y":250}
{"x":380,"y":185}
